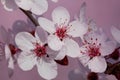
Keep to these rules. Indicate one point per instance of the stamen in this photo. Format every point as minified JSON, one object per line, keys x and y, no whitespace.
{"x":40,"y":50}
{"x":61,"y":32}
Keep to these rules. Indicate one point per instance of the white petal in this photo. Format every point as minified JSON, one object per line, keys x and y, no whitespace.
{"x":107,"y":48}
{"x":82,"y":12}
{"x":61,"y":54}
{"x":77,"y":29}
{"x":92,"y":26}
{"x":39,"y":7}
{"x":97,"y":64}
{"x":101,"y":38}
{"x":24,"y":4}
{"x":47,"y":70}
{"x":60,"y":15}
{"x":10,"y":67}
{"x":73,"y":49}
{"x":25,"y":41}
{"x":83,"y":49}
{"x":9,"y":5}
{"x":40,"y":34}
{"x":47,"y":25}
{"x":54,"y":42}
{"x":7,"y":52}
{"x":11,"y":63}
{"x":55,"y":1}
{"x":84,"y":59}
{"x":116,"y":33}
{"x":26,"y":61}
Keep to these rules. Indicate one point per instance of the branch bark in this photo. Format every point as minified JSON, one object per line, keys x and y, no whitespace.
{"x":29,"y":15}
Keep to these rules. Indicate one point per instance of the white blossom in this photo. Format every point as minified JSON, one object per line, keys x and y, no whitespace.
{"x":92,"y":53}
{"x":34,"y":52}
{"x":61,"y":31}
{"x":37,"y":7}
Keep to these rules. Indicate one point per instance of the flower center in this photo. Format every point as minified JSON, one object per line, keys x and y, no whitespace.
{"x":40,"y":50}
{"x":93,"y":47}
{"x":61,"y":32}
{"x":93,"y":51}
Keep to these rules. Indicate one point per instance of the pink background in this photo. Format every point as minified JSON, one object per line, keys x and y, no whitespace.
{"x":106,"y":13}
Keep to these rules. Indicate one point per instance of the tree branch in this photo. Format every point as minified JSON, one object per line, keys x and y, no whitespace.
{"x":29,"y":15}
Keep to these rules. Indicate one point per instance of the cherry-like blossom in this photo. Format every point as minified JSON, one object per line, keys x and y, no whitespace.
{"x":95,"y":47}
{"x":35,"y":52}
{"x":8,"y":49}
{"x":115,"y":33}
{"x":61,"y":31}
{"x":37,"y":7}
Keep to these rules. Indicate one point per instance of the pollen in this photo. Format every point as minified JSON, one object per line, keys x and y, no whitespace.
{"x":39,"y":50}
{"x":93,"y":51}
{"x":93,"y":48}
{"x":61,"y":32}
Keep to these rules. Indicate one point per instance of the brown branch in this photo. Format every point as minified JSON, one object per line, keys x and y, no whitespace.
{"x":29,"y":15}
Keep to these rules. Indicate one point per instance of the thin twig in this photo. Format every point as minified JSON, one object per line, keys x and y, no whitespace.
{"x":29,"y":15}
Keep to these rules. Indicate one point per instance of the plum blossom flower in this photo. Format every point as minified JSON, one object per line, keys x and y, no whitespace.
{"x":92,"y":53}
{"x":61,"y":31}
{"x":115,"y":33}
{"x":11,"y":57}
{"x":37,"y":7}
{"x":8,"y":48}
{"x":34,"y":52}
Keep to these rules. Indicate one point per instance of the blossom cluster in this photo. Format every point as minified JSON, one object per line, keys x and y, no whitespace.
{"x":54,"y":40}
